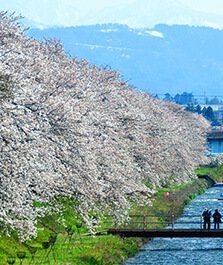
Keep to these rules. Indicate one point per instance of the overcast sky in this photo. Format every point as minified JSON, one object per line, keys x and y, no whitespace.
{"x":134,"y":13}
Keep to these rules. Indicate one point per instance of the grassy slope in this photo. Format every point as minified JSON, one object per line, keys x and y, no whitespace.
{"x":73,"y":247}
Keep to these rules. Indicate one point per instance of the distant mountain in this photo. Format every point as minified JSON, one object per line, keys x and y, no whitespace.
{"x":134,"y":13}
{"x":148,"y":13}
{"x":164,"y":59}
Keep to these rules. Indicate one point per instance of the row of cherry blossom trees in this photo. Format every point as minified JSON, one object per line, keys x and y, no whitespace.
{"x":68,"y":128}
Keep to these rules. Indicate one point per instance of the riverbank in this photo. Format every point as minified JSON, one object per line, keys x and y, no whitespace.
{"x":55,"y":245}
{"x":194,"y":250}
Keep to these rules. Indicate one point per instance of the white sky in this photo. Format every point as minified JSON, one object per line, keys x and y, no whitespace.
{"x":135,"y":13}
{"x":208,"y":6}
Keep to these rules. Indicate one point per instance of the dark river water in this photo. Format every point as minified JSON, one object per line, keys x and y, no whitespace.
{"x":186,"y":251}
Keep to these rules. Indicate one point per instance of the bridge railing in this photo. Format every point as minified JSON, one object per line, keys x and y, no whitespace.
{"x":161,"y":221}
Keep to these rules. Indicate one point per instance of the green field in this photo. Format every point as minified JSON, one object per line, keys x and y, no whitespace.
{"x":73,"y":245}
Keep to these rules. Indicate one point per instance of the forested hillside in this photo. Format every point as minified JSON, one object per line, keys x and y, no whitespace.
{"x":164,"y":59}
{"x":71,"y":129}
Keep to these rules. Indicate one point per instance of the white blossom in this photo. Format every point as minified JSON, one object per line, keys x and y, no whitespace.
{"x":71,"y":129}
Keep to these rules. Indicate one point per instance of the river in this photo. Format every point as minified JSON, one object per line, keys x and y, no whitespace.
{"x":186,"y":251}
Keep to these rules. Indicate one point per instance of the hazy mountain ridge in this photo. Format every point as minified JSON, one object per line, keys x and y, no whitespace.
{"x":135,"y":14}
{"x":163,"y":59}
{"x":149,"y":13}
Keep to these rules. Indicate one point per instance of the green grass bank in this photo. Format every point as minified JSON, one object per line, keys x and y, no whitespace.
{"x":59,"y":246}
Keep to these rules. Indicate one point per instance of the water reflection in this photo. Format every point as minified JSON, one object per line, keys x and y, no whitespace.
{"x":186,"y":251}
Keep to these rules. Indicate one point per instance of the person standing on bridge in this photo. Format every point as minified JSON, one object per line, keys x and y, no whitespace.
{"x":207,"y":219}
{"x":217,"y":219}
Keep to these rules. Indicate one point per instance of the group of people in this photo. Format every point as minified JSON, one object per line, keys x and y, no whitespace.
{"x":207,"y":219}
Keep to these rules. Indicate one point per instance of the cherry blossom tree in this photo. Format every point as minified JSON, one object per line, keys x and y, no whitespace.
{"x":69,"y":128}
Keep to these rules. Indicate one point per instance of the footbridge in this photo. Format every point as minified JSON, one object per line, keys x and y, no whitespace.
{"x":211,"y":181}
{"x":208,"y":178}
{"x":215,"y":140}
{"x":151,"y":233}
{"x":171,"y":226}
{"x":167,"y":225}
